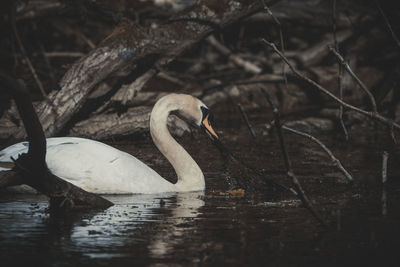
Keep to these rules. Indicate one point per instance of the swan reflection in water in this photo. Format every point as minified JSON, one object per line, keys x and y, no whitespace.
{"x":160,"y":221}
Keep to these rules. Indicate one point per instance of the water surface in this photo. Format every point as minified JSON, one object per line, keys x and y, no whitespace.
{"x":262,"y":227}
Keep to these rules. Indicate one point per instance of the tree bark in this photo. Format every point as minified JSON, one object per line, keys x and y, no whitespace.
{"x":31,"y":167}
{"x":126,"y":46}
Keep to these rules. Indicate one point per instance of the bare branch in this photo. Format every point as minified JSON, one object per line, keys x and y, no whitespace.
{"x":246,"y":120}
{"x":394,"y":36}
{"x":352,"y":74}
{"x":23,"y":51}
{"x":63,"y":54}
{"x":385,"y":157}
{"x":126,"y":46}
{"x":279,"y":25}
{"x":372,"y":115}
{"x":340,"y":76}
{"x":31,"y":167}
{"x":300,"y":192}
{"x":9,"y":178}
{"x":335,"y":161}
{"x":246,"y":65}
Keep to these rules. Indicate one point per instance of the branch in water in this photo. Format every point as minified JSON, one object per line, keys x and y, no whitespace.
{"x":340,"y":76}
{"x":300,"y":192}
{"x":31,"y":167}
{"x":335,"y":161}
{"x":354,"y":76}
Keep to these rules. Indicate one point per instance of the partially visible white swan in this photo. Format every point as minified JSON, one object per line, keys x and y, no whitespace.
{"x":100,"y":168}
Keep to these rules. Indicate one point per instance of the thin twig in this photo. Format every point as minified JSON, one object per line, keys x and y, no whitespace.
{"x":335,"y":161}
{"x":384,"y":201}
{"x":369,"y":114}
{"x":352,"y":74}
{"x":394,"y":36}
{"x":301,"y":194}
{"x":279,"y":25}
{"x":225,"y":151}
{"x":32,"y":165}
{"x":341,"y":110}
{"x":388,"y":24}
{"x":85,"y":39}
{"x":63,"y":54}
{"x":168,"y":77}
{"x":67,"y":29}
{"x":340,"y":76}
{"x":392,"y":135}
{"x":48,"y":64}
{"x":246,"y":119}
{"x":334,"y":26}
{"x":23,"y":51}
{"x":47,"y":61}
{"x":246,"y":65}
{"x":269,"y":78}
{"x":338,"y":220}
{"x":385,"y":157}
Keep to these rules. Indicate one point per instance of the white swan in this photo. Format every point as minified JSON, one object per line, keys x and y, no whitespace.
{"x":102,"y":169}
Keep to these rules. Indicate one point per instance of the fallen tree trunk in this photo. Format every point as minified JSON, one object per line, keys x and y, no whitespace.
{"x":134,"y":121}
{"x":31,"y":168}
{"x":103,"y":126}
{"x":126,"y":46}
{"x":108,"y":121}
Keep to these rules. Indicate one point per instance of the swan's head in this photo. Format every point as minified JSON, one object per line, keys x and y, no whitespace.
{"x":207,"y":119}
{"x":192,"y":109}
{"x":202,"y":115}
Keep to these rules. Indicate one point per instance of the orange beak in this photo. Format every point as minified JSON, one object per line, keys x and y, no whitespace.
{"x":209,"y":128}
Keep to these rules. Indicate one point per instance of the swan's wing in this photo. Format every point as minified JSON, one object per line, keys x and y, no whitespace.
{"x":96,"y":167}
{"x":12,"y":152}
{"x":99,"y":168}
{"x":15,"y":150}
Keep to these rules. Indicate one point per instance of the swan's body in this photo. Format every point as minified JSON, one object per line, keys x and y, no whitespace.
{"x":100,"y":168}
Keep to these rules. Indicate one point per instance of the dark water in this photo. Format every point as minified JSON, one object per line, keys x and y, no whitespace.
{"x":196,"y":229}
{"x":260,"y":228}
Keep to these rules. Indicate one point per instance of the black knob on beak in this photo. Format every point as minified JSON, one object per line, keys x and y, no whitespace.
{"x":206,"y":122}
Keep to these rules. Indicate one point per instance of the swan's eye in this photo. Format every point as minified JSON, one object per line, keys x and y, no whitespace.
{"x":206,"y":122}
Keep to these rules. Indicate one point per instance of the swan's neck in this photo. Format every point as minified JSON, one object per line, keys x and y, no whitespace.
{"x":190,"y":176}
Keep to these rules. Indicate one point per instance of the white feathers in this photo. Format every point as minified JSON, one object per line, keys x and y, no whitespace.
{"x":100,"y":168}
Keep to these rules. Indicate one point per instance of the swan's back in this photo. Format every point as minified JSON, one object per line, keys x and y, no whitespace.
{"x":95,"y":167}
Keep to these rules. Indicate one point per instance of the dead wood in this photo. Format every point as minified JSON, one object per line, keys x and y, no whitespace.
{"x":246,"y":119}
{"x":23,"y":51}
{"x":36,"y":8}
{"x":335,"y":161}
{"x":385,"y":157}
{"x":289,"y":170}
{"x":127,"y":45}
{"x":227,"y":153}
{"x":246,"y":65}
{"x":77,"y":82}
{"x":134,"y":121}
{"x":281,"y":41}
{"x":355,"y":77}
{"x":9,"y":178}
{"x":259,"y":79}
{"x":126,"y":95}
{"x":373,"y":115}
{"x":31,"y":167}
{"x":314,"y":54}
{"x":340,"y":67}
{"x":102,"y":126}
{"x":388,"y":25}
